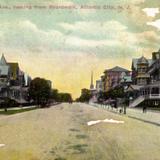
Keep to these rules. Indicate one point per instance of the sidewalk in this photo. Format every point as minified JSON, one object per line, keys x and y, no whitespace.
{"x":148,"y":117}
{"x":18,"y":108}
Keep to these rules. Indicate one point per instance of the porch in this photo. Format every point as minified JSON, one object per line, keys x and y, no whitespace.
{"x":151,"y":91}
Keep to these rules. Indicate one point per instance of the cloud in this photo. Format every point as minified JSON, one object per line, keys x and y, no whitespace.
{"x":79,"y":36}
{"x":103,"y":39}
{"x":25,"y":35}
{"x":149,"y":36}
{"x":75,"y":41}
{"x":97,"y":34}
{"x":155,"y":24}
{"x":94,"y":33}
{"x":89,"y":26}
{"x":151,"y":12}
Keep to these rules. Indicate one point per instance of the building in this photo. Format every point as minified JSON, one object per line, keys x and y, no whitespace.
{"x":154,"y":69}
{"x":140,"y":68}
{"x":14,"y":83}
{"x":149,"y":90}
{"x":99,"y":85}
{"x":113,"y":77}
{"x":126,"y":80}
{"x":103,"y":83}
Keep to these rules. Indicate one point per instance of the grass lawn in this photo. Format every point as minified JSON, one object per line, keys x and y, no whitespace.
{"x":15,"y":111}
{"x":61,"y":133}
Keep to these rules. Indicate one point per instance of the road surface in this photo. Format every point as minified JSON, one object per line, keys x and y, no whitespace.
{"x":61,"y":133}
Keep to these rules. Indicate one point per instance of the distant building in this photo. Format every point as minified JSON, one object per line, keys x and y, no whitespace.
{"x":27,"y":80}
{"x":99,"y":85}
{"x":114,"y":76}
{"x":92,"y":89}
{"x":103,"y":82}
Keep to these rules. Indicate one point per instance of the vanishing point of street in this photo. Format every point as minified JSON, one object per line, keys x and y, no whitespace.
{"x":61,"y":133}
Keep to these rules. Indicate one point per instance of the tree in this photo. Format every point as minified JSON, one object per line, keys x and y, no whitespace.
{"x":40,"y":91}
{"x":85,"y":95}
{"x":117,"y":92}
{"x":102,"y":96}
{"x":65,"y":97}
{"x":54,"y":95}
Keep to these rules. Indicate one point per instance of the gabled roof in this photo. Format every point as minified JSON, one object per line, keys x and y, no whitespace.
{"x":4,"y":67}
{"x":143,"y":60}
{"x":3,"y":60}
{"x":133,"y":87}
{"x":117,"y":69}
{"x":135,"y":61}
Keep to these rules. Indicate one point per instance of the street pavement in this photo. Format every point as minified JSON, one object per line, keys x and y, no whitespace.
{"x":61,"y":133}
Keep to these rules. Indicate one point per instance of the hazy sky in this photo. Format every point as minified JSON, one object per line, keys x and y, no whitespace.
{"x":64,"y":45}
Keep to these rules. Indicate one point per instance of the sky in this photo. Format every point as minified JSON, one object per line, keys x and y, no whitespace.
{"x":65,"y":45}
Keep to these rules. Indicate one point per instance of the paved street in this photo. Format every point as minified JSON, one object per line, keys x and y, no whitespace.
{"x":61,"y":133}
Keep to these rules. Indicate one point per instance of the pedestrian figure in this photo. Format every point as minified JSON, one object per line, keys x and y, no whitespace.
{"x":115,"y":104}
{"x":144,"y":109}
{"x":124,"y":109}
{"x":120,"y":111}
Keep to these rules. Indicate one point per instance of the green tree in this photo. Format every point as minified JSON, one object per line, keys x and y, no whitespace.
{"x":85,"y":95}
{"x":102,"y":96}
{"x":65,"y":97}
{"x":117,"y":92}
{"x":40,"y":91}
{"x":54,"y":95}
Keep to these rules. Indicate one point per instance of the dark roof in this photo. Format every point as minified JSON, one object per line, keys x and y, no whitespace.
{"x":117,"y":69}
{"x":142,"y":60}
{"x":135,"y":61}
{"x":3,"y":60}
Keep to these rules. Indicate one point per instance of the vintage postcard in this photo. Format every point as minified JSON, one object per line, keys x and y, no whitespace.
{"x":79,"y":80}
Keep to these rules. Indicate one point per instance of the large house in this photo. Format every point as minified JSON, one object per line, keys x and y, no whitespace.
{"x":114,"y":76}
{"x":146,"y":77}
{"x":140,"y":68}
{"x":14,"y":83}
